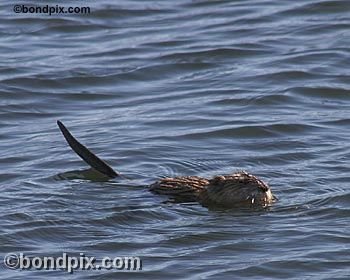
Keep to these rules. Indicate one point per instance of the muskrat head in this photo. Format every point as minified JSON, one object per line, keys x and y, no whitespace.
{"x":237,"y":189}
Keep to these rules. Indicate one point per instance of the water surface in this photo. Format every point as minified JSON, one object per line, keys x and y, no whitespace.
{"x":159,"y":88}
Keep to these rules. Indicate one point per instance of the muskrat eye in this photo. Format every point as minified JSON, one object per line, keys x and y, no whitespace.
{"x":263,"y":187}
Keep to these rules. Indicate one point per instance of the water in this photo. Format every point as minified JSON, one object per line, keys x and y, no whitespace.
{"x":159,"y":88}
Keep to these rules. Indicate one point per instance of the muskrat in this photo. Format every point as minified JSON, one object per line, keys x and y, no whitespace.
{"x":227,"y":191}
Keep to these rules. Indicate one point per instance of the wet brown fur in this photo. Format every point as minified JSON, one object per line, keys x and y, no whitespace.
{"x":227,"y":191}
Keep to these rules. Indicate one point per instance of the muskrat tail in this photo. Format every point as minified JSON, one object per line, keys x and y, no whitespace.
{"x":83,"y":152}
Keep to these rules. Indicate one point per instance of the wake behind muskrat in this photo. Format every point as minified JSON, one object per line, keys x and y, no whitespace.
{"x":226,"y":191}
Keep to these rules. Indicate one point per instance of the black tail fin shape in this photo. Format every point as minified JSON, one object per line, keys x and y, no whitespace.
{"x":90,"y":158}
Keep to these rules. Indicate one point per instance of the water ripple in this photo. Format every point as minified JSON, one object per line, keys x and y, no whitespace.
{"x":165,"y":89}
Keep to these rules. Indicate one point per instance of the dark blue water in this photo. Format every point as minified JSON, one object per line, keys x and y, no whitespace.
{"x":166,"y":88}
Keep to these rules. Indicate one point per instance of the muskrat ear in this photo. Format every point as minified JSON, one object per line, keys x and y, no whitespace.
{"x":217,"y":179}
{"x":83,"y":152}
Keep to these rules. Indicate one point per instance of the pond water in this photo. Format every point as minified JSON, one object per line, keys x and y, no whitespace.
{"x":167,"y":88}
